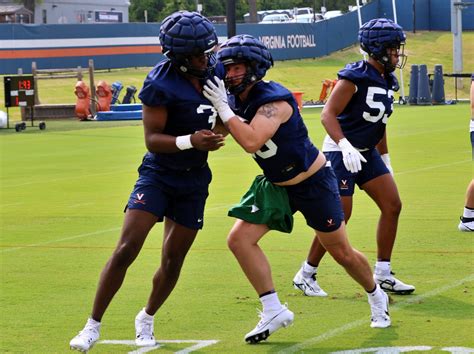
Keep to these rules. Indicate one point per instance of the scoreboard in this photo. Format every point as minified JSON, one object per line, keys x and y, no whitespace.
{"x":19,"y":91}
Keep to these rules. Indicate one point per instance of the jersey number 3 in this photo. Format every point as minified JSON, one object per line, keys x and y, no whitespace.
{"x":378,"y":105}
{"x":211,"y":111}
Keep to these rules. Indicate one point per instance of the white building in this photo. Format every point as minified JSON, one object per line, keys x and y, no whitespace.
{"x":79,"y":11}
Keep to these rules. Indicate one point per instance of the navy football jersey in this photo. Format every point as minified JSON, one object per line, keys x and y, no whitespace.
{"x":188,"y":111}
{"x":364,"y":119}
{"x":289,"y":152}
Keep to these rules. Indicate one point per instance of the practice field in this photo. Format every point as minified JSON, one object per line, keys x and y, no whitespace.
{"x":62,"y":195}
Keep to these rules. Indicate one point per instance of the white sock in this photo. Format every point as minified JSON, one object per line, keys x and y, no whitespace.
{"x":468,"y":213}
{"x":375,"y":295}
{"x":270,"y":302}
{"x":143,"y":315}
{"x":309,"y":270}
{"x":382,"y":268}
{"x":93,"y":322}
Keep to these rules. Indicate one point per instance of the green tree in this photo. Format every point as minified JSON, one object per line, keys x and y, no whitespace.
{"x":30,"y":5}
{"x":213,"y":7}
{"x":175,"y":5}
{"x":159,"y":9}
{"x":137,"y":9}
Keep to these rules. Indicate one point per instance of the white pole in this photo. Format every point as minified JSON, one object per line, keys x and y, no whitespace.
{"x":360,"y":21}
{"x":456,"y":29}
{"x":402,"y":88}
{"x":358,"y":13}
{"x":394,"y":11}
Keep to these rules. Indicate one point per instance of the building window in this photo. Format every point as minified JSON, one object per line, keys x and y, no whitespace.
{"x":44,"y":16}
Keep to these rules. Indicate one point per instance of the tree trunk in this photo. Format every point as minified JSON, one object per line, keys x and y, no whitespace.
{"x":30,"y":5}
{"x":253,"y":11}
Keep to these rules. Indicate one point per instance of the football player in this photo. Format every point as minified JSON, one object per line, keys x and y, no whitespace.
{"x":467,"y":219}
{"x":174,"y":176}
{"x":355,"y":118}
{"x":267,"y":124}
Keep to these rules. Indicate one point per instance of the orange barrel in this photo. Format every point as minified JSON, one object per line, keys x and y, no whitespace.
{"x":82,"y":92}
{"x":104,"y":96}
{"x":298,"y":95}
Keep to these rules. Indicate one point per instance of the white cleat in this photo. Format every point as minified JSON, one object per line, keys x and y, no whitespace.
{"x":380,"y":317}
{"x":466,"y":224}
{"x":86,"y":338}
{"x":144,"y":330}
{"x":308,"y":285}
{"x":391,"y":284}
{"x":269,"y":323}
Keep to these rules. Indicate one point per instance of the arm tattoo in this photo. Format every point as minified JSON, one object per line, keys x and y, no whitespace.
{"x":269,"y":110}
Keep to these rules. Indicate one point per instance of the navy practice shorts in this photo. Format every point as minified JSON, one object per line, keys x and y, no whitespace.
{"x":317,"y":198}
{"x":178,"y":195}
{"x":347,"y":180}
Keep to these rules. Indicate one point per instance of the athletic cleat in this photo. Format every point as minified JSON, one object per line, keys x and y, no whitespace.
{"x":466,"y":224}
{"x":391,"y":284}
{"x":144,"y":330}
{"x":269,"y":323}
{"x":380,"y":317}
{"x":86,"y":338}
{"x":308,"y":285}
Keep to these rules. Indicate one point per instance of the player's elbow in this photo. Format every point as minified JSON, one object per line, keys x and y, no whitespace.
{"x":324,"y":118}
{"x":251,"y":147}
{"x":150,"y":146}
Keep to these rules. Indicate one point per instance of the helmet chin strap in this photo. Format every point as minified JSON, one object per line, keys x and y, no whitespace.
{"x":185,"y":67}
{"x":247,"y":79}
{"x":387,"y":65}
{"x":385,"y":62}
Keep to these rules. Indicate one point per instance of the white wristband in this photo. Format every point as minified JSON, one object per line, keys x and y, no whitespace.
{"x":183,"y":142}
{"x":225,"y":114}
{"x":344,"y":144}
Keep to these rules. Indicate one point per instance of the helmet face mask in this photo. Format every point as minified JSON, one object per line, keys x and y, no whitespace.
{"x":401,"y":58}
{"x":247,"y":50}
{"x":184,"y":35}
{"x":379,"y":38}
{"x":236,"y":84}
{"x":185,"y":64}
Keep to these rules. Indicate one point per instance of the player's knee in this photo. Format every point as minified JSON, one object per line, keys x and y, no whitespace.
{"x":343,"y":257}
{"x":171,"y":265}
{"x":125,"y":254}
{"x":234,"y":242}
{"x":393,"y":208}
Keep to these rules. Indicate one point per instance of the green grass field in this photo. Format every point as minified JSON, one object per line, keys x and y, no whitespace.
{"x":62,"y":195}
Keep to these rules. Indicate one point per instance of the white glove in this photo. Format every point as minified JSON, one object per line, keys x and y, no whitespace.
{"x":386,"y":160}
{"x":351,"y":156}
{"x":217,"y":94}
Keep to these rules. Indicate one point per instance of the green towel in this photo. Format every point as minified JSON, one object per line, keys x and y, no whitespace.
{"x":265,"y":203}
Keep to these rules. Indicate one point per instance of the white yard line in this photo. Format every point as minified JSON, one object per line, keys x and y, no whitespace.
{"x":431,"y":167}
{"x":396,"y":350}
{"x":11,"y":204}
{"x":60,"y":240}
{"x":348,"y":326}
{"x":198,"y":344}
{"x":66,"y":178}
